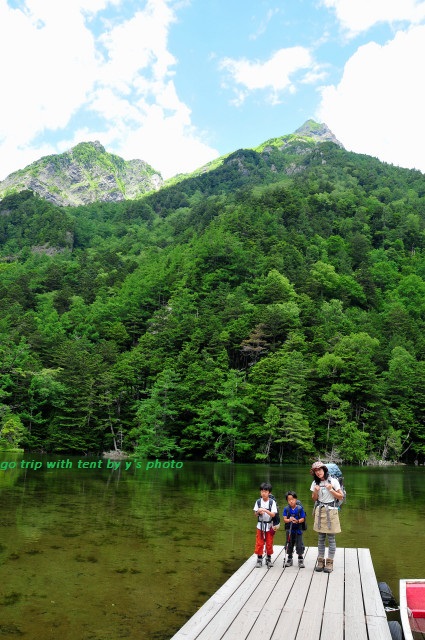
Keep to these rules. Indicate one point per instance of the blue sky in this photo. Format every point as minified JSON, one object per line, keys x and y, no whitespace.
{"x":179,"y":82}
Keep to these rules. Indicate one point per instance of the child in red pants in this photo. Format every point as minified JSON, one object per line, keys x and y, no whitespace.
{"x":264,"y":509}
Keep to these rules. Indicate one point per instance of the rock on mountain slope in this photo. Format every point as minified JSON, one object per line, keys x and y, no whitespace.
{"x":318,"y":131}
{"x":84,"y":174}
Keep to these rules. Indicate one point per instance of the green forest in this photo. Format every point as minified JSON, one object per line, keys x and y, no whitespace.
{"x":270,"y":309}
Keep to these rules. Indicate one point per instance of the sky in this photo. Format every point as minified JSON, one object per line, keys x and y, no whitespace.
{"x":177,"y":83}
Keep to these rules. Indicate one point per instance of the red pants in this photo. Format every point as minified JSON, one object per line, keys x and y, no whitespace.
{"x":259,"y":543}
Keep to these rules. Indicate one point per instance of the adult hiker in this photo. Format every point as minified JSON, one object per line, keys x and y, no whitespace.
{"x":326,"y":491}
{"x":264,"y":509}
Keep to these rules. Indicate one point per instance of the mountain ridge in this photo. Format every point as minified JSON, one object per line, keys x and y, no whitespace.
{"x":87,"y":173}
{"x":84,"y":174}
{"x":310,"y":131}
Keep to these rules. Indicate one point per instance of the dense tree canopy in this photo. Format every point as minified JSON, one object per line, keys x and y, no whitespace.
{"x":270,"y":309}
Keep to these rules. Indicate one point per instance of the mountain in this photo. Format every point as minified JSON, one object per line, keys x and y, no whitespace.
{"x":269,"y":309}
{"x":87,"y":173}
{"x":272,"y":162}
{"x":302,"y":141}
{"x":319,"y":132}
{"x":84,"y":174}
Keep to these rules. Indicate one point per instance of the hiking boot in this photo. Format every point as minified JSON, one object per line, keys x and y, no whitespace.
{"x":320,"y":564}
{"x":301,"y":564}
{"x":288,"y":562}
{"x":329,"y":565}
{"x":259,"y":563}
{"x":269,"y":562}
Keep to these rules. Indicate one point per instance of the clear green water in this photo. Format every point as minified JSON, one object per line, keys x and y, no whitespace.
{"x":95,"y":554}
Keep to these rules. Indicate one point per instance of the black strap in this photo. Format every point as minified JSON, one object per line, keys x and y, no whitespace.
{"x":270,"y":508}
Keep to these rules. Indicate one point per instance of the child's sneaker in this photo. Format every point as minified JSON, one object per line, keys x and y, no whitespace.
{"x":301,"y":564}
{"x":269,"y":562}
{"x":259,"y":563}
{"x":288,"y":562}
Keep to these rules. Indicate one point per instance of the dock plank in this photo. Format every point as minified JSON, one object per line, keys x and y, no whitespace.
{"x":355,"y":620}
{"x":289,"y":620}
{"x":247,"y":616}
{"x":334,"y":602}
{"x":333,"y":611}
{"x":265,"y":624}
{"x":206,"y":613}
{"x":311,"y":618}
{"x":373,"y":603}
{"x":233,"y":605}
{"x":295,"y":604}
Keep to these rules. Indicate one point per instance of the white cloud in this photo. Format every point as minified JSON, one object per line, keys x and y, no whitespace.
{"x":139,"y":44}
{"x":177,"y":137}
{"x":273,"y":75}
{"x":47,"y":75}
{"x":377,"y":108}
{"x":359,"y":15}
{"x":120,"y":81}
{"x":262,"y":27}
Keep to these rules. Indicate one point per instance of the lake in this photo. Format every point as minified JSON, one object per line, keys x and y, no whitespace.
{"x":96,"y":553}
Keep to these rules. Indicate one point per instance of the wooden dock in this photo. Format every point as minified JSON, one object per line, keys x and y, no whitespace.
{"x":295,"y":604}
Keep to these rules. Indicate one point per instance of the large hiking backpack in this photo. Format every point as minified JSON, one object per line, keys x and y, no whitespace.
{"x":276,"y":519}
{"x":335,"y":472}
{"x":303,"y":525}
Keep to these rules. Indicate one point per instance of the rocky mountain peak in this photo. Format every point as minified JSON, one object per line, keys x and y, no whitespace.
{"x":85,"y":173}
{"x":318,"y":131}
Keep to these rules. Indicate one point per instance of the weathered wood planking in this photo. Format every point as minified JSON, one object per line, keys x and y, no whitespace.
{"x":333,"y":611}
{"x":295,"y":604}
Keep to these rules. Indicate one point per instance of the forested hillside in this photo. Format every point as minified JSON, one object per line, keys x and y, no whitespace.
{"x":270,"y":309}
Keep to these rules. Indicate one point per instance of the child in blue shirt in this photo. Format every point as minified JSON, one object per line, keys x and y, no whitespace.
{"x":293,"y":517}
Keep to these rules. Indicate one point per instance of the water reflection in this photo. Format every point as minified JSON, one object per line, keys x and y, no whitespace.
{"x":98,"y":554}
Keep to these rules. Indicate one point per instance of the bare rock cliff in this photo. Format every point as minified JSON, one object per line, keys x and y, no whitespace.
{"x":84,"y":174}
